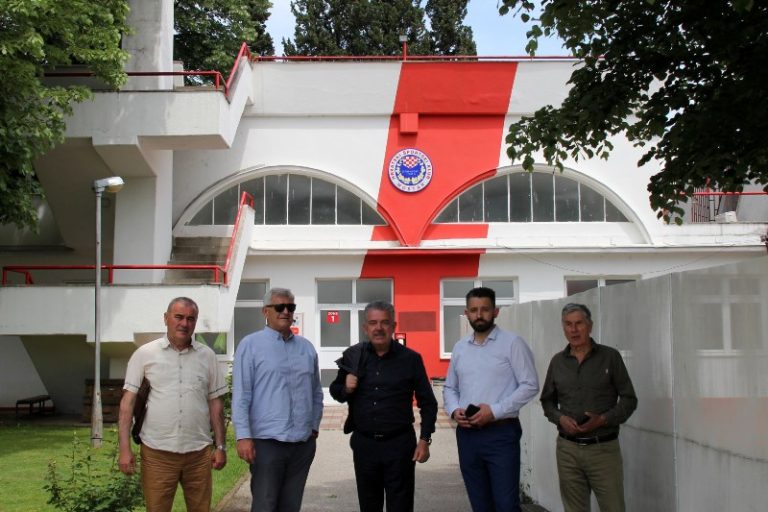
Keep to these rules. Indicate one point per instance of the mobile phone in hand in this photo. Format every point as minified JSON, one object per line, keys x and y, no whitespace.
{"x":471,"y":410}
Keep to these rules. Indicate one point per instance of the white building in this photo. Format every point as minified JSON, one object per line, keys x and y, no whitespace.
{"x":320,"y":145}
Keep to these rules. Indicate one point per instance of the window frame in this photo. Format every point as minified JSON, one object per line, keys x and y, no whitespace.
{"x":461,"y":301}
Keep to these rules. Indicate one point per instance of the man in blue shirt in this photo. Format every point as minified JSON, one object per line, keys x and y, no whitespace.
{"x":277,"y":405}
{"x":490,"y":378}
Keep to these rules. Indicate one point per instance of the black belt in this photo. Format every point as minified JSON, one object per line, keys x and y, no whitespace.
{"x":584,"y":441}
{"x":497,"y":423}
{"x":383,"y":436}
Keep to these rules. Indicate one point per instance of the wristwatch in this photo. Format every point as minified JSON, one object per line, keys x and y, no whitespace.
{"x":428,"y":440}
{"x":221,"y":447}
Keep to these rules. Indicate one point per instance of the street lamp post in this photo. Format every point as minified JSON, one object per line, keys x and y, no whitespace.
{"x":113,"y":184}
{"x":404,"y":39}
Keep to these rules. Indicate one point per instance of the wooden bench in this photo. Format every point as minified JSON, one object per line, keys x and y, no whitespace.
{"x":32,"y":401}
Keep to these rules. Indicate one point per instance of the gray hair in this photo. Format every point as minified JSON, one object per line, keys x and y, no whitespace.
{"x":573,"y":307}
{"x":380,"y":305}
{"x":278,"y":292}
{"x":184,"y":300}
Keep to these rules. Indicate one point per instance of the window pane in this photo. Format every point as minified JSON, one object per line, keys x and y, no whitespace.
{"x":496,"y":198}
{"x":471,"y":205}
{"x":251,"y":290}
{"x":580,"y":285}
{"x":371,"y":217}
{"x":298,"y":199}
{"x":327,"y":377}
{"x":612,"y":214}
{"x":323,"y":202}
{"x":520,"y":197}
{"x":450,"y":213}
{"x":592,"y":209}
{"x":361,"y":336}
{"x":334,"y":292}
{"x":255,"y":187}
{"x":204,"y":217}
{"x":276,"y":199}
{"x":543,"y":198}
{"x":567,"y":199}
{"x":348,"y":207}
{"x":247,"y":320}
{"x":334,"y":334}
{"x":225,"y":207}
{"x":457,"y":289}
{"x":452,"y":318}
{"x":707,"y":326}
{"x":217,"y":341}
{"x":503,"y":289}
{"x":745,"y":326}
{"x":369,"y":290}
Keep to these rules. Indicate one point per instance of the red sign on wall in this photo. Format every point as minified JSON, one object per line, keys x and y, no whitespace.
{"x":332,"y":317}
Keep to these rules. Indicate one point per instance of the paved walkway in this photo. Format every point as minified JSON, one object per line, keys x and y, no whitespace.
{"x":331,"y":483}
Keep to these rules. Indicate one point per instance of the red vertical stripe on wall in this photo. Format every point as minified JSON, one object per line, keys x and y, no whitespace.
{"x":456,"y":115}
{"x":461,"y":108}
{"x":417,"y":288}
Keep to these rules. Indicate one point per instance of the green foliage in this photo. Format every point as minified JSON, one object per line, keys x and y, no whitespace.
{"x":35,"y":36}
{"x":92,"y":482}
{"x":373,"y":27}
{"x":448,"y":34}
{"x":684,"y":79}
{"x":209,"y":33}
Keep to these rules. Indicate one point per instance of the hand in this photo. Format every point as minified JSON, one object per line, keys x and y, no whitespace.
{"x":246,"y":450}
{"x":127,"y":462}
{"x":482,"y":417}
{"x":421,"y":454}
{"x":594,"y":422}
{"x":461,"y":418}
{"x":350,"y":384}
{"x":218,"y":459}
{"x":569,"y":425}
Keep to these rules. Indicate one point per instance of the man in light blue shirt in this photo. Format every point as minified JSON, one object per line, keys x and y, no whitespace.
{"x":277,"y":404}
{"x":490,"y":378}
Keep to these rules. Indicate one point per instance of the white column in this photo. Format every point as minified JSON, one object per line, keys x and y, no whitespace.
{"x":151,"y":44}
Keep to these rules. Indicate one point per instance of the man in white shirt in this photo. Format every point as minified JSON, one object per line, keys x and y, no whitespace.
{"x":184,"y":404}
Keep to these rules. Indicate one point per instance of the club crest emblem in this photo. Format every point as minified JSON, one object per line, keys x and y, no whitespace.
{"x":410,"y":170}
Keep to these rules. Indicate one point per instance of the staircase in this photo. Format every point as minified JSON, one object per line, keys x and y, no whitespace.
{"x":196,"y":251}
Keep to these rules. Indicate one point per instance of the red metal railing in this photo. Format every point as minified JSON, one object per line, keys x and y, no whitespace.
{"x":219,"y":271}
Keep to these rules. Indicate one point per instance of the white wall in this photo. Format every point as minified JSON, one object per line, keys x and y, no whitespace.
{"x":697,"y":440}
{"x":20,"y":378}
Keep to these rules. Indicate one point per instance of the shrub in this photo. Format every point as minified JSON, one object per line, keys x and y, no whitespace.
{"x":92,"y":482}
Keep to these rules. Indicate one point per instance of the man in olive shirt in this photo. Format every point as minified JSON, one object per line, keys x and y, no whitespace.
{"x":588,"y":393}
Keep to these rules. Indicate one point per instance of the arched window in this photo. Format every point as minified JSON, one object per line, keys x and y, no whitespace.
{"x":281,"y":199}
{"x":530,"y":197}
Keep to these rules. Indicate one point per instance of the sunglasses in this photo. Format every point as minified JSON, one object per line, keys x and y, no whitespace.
{"x":282,"y":307}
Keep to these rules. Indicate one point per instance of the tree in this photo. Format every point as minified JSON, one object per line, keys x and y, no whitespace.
{"x":448,"y":34}
{"x":36,"y":36}
{"x":685,"y":79}
{"x":373,"y":27}
{"x":209,"y":33}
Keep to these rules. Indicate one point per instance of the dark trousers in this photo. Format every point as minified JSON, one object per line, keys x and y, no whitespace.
{"x":279,"y":474}
{"x":384,"y":467}
{"x":490,"y":464}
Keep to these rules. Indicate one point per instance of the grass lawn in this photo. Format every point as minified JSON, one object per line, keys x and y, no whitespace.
{"x":25,"y":451}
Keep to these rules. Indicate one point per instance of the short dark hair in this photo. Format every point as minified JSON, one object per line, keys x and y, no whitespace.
{"x":572,"y":307}
{"x":185,"y":300}
{"x":380,"y":305}
{"x":482,"y":292}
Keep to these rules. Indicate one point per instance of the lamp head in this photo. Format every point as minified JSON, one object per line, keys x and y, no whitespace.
{"x":403,"y":38}
{"x":112,"y":184}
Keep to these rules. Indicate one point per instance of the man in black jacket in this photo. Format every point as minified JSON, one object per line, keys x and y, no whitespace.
{"x":378,"y":379}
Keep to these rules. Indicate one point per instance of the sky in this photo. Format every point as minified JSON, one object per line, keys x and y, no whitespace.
{"x":494,"y":35}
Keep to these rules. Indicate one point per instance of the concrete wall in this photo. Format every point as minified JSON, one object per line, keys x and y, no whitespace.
{"x":695,"y":344}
